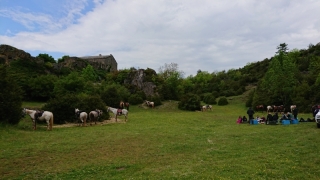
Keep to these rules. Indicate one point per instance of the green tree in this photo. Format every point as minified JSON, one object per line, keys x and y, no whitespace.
{"x":172,"y":78}
{"x":10,"y":98}
{"x":279,"y":80}
{"x":73,"y":83}
{"x":41,"y":87}
{"x":47,"y":58}
{"x":111,"y":97}
{"x":189,"y":102}
{"x":89,"y":73}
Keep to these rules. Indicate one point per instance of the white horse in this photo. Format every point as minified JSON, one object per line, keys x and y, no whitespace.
{"x":149,"y":103}
{"x":292,"y":107}
{"x":39,"y":115}
{"x":94,"y":116}
{"x":119,"y":112}
{"x":205,"y":107}
{"x":269,"y":108}
{"x":82,"y":116}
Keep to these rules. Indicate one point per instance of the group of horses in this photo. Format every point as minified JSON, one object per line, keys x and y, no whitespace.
{"x":274,"y":108}
{"x":83,"y":116}
{"x":206,"y":107}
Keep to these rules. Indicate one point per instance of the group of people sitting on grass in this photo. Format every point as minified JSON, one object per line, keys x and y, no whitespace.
{"x":271,"y":118}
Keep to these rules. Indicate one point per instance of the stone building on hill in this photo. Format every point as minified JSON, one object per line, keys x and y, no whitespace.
{"x":102,"y":61}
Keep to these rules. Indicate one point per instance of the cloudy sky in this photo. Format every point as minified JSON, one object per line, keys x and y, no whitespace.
{"x":206,"y":35}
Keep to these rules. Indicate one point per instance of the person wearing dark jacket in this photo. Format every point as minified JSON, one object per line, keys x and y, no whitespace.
{"x":269,"y":118}
{"x":295,"y":113}
{"x":275,"y":116}
{"x":250,"y":113}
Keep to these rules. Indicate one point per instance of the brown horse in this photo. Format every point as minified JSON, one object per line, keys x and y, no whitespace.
{"x":260,"y":107}
{"x":124,"y":105}
{"x":278,"y":108}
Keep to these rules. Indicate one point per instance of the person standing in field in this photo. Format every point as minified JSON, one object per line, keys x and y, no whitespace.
{"x":250,"y":113}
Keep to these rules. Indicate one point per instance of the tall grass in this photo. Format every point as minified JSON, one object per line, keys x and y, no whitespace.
{"x":163,"y":143}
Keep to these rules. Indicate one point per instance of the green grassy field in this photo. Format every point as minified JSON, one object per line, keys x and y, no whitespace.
{"x":163,"y":143}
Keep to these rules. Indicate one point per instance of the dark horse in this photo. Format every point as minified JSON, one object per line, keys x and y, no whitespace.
{"x":124,"y":105}
{"x":260,"y":107}
{"x":278,"y":108}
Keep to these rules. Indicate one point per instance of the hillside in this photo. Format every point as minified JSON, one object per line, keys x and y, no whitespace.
{"x":143,"y":83}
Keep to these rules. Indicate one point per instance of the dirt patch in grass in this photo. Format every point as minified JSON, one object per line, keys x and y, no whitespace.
{"x":100,"y":123}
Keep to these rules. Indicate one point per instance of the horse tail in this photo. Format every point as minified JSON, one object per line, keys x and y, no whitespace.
{"x":51,"y":122}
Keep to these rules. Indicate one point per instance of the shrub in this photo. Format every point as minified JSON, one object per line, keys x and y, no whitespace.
{"x":110,"y":97}
{"x":190,"y":102}
{"x":135,"y":99}
{"x":10,"y":98}
{"x":63,"y":107}
{"x":223,"y":101}
{"x":209,"y":99}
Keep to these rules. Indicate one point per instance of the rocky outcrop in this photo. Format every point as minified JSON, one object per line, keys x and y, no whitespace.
{"x":137,"y":78}
{"x":9,"y":53}
{"x":107,"y":63}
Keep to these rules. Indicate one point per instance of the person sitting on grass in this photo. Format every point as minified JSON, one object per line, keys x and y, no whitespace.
{"x":262,"y":120}
{"x":275,"y":117}
{"x":244,"y":119}
{"x":283,"y":116}
{"x":239,"y":120}
{"x":269,"y":118}
{"x":290,"y":117}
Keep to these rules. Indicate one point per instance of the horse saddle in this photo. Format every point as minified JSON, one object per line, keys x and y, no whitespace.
{"x":119,"y":111}
{"x":38,"y":114}
{"x":79,"y":112}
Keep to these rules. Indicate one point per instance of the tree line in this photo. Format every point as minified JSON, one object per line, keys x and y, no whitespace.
{"x":290,"y":77}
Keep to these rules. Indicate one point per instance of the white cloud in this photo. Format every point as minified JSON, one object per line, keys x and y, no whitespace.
{"x":206,"y":35}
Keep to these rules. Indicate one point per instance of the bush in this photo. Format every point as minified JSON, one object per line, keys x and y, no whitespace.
{"x":209,"y":99}
{"x":110,"y":97}
{"x":63,"y":107}
{"x":135,"y":99}
{"x":10,"y":98}
{"x":223,"y":101}
{"x":190,"y":102}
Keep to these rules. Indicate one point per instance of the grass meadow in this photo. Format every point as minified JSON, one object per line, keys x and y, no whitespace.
{"x":163,"y":143}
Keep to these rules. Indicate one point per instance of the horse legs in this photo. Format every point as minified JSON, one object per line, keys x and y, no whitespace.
{"x":116,"y":117}
{"x":48,"y":124}
{"x":34,"y":124}
{"x":85,"y":122}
